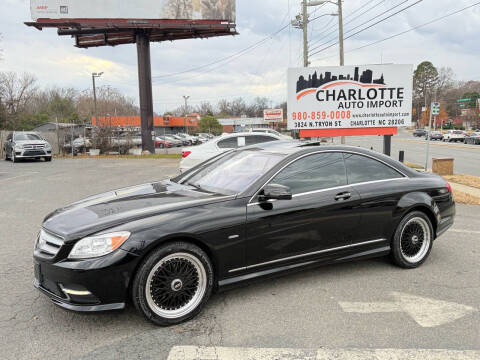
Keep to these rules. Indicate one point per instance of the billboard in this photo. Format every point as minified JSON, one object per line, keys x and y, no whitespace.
{"x":138,"y":9}
{"x":273,"y":115}
{"x":343,"y":97}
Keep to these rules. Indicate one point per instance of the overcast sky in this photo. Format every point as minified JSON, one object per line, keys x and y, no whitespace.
{"x":55,"y":61}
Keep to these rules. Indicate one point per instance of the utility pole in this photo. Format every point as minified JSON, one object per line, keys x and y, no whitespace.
{"x":305,"y":33}
{"x":186,"y":109}
{"x":94,"y":76}
{"x":340,"y":33}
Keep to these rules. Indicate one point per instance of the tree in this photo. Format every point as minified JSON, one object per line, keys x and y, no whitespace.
{"x":425,"y":81}
{"x":210,"y":124}
{"x":16,"y":92}
{"x":205,"y":108}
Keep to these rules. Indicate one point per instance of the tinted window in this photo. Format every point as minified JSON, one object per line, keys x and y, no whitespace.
{"x":230,"y":143}
{"x":257,"y":139}
{"x":362,"y":169}
{"x":313,"y":172}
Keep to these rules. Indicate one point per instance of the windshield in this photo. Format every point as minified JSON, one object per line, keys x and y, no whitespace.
{"x":20,"y":137}
{"x":235,"y":172}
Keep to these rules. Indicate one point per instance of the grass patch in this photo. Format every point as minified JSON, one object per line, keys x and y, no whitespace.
{"x":469,"y":180}
{"x":151,"y":156}
{"x":413,"y":166}
{"x":464,"y":198}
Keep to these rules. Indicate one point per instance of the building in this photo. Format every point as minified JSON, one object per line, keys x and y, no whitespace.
{"x":67,"y":128}
{"x":241,"y":124}
{"x":162,"y":124}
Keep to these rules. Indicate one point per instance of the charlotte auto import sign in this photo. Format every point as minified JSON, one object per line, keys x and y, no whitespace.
{"x":345,"y":97}
{"x":273,"y":115}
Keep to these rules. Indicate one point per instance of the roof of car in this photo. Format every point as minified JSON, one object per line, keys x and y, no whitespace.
{"x":290,"y":147}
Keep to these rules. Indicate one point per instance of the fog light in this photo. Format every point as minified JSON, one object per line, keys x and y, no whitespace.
{"x":75,"y":292}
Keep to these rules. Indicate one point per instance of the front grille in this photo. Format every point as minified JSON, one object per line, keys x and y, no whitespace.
{"x":34,"y":146}
{"x":33,"y":153}
{"x":49,"y":245}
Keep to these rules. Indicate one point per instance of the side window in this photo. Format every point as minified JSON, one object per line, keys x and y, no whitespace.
{"x":313,"y":172}
{"x":229,"y":143}
{"x":362,"y":169}
{"x":258,"y":139}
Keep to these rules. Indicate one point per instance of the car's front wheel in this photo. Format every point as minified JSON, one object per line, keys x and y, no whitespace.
{"x":173,"y":283}
{"x":413,"y":240}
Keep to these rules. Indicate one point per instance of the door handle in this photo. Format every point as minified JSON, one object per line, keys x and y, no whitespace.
{"x":343,"y":196}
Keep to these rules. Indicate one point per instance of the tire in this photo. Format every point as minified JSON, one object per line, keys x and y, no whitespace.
{"x":412,"y":241}
{"x":13,"y":157}
{"x":174,"y":304}
{"x":48,"y":158}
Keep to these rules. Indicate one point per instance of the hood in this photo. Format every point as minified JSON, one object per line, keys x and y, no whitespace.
{"x":104,"y":211}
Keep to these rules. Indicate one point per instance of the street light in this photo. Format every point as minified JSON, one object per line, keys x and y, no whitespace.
{"x":185,"y":118}
{"x":94,"y":76}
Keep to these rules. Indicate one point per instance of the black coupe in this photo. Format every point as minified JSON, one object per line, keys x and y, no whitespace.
{"x":249,"y":213}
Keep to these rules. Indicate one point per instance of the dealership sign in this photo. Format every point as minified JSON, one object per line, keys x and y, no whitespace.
{"x":273,"y":115}
{"x":350,"y":97}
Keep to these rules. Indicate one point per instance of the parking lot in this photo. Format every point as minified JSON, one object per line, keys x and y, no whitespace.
{"x":359,"y":305}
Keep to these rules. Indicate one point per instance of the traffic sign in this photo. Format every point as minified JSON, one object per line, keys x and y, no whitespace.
{"x":436,"y":108}
{"x":464,"y":100}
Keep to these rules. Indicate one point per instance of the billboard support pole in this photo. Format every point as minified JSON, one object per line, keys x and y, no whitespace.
{"x":145,"y":87}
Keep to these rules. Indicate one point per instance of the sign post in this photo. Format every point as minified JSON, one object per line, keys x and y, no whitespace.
{"x":435,"y":111}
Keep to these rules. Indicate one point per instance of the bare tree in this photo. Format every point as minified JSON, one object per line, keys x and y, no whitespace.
{"x":16,"y":92}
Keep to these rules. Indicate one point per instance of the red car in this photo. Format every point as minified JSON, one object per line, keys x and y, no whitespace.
{"x":161,"y":143}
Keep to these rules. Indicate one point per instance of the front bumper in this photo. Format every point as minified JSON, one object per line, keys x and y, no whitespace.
{"x":24,"y":154}
{"x":87,"y":285}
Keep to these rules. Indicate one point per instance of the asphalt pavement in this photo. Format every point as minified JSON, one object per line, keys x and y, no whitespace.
{"x":334,"y":312}
{"x":466,"y":157}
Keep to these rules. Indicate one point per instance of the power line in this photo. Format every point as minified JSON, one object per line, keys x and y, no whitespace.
{"x":350,"y":30}
{"x":406,"y":31}
{"x":329,"y":30}
{"x":370,"y":26}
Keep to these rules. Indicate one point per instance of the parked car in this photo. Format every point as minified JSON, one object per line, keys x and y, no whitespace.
{"x":454,"y":135}
{"x":171,"y":139}
{"x":192,"y":156}
{"x":435,"y":135}
{"x":182,"y":140}
{"x":26,"y":145}
{"x":247,"y":213}
{"x":270,"y":131}
{"x":473,"y":138}
{"x":162,"y":143}
{"x":419,"y":132}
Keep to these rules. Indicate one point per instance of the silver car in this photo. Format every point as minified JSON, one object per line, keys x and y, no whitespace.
{"x":26,"y":145}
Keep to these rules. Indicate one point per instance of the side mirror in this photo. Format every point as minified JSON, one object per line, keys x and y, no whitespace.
{"x":275,"y":192}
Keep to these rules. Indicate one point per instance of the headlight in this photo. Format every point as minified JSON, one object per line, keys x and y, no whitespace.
{"x":19,"y":147}
{"x":99,"y":245}
{"x":48,"y":146}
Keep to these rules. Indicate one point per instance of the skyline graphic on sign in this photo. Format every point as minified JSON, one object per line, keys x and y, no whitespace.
{"x":315,"y":82}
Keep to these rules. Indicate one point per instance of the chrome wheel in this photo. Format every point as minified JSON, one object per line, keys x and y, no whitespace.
{"x":176,"y":285}
{"x":415,"y":240}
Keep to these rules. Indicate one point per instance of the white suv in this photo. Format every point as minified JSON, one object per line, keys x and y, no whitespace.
{"x":454,"y":135}
{"x":192,"y":156}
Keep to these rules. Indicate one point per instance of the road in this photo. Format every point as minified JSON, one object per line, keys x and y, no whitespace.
{"x":335,"y":309}
{"x":467,"y":157}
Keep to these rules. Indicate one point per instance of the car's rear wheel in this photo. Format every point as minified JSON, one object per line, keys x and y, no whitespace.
{"x":413,"y":240}
{"x":173,"y":283}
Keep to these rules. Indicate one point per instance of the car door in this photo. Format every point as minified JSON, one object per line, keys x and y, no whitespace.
{"x":380,"y":187}
{"x":316,"y":220}
{"x":8,"y":144}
